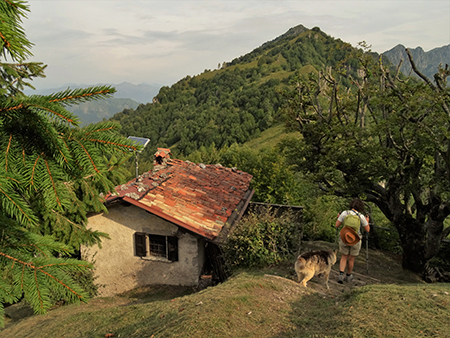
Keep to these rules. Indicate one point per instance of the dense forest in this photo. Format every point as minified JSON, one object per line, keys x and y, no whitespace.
{"x":235,"y":103}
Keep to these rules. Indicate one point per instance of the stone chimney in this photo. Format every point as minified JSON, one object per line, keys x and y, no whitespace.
{"x":162,"y":155}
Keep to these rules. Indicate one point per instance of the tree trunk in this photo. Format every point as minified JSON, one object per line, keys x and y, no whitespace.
{"x":434,"y":237}
{"x":412,"y":237}
{"x":413,"y":257}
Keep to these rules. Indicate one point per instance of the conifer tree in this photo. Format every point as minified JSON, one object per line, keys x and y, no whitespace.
{"x":52,"y":173}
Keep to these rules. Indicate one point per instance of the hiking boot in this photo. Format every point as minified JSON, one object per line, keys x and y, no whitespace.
{"x":341,"y":278}
{"x":349,"y":278}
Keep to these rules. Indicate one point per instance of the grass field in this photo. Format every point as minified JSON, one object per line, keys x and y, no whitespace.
{"x":385,"y":302}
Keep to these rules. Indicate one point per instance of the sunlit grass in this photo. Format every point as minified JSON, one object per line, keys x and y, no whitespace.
{"x":260,"y":303}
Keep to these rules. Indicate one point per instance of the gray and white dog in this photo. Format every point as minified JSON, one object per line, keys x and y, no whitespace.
{"x":312,"y":263}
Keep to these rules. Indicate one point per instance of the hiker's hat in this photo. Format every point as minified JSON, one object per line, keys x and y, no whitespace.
{"x":349,"y":236}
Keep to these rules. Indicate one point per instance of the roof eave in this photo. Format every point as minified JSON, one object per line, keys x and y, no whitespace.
{"x":168,"y":218}
{"x":234,"y":218}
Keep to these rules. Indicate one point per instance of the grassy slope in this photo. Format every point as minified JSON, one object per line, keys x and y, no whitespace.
{"x":261,"y":303}
{"x":270,"y":137}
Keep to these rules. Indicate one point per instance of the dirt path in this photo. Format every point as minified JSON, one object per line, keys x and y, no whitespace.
{"x":379,"y":268}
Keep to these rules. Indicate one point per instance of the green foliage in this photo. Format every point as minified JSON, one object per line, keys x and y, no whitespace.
{"x":262,"y":239}
{"x":383,"y":235}
{"x":320,"y":215}
{"x":30,"y":269}
{"x":273,"y":179}
{"x":51,"y":174}
{"x":13,"y":43}
{"x":384,"y":139}
{"x":208,"y":155}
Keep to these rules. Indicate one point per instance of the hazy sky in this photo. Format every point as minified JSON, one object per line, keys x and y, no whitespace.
{"x":98,"y":41}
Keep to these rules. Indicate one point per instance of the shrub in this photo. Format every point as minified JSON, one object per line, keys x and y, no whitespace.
{"x":262,"y":239}
{"x":320,"y":217}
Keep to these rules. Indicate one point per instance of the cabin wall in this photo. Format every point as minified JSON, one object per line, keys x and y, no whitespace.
{"x":119,"y":269}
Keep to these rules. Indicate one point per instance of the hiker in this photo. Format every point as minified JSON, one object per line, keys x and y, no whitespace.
{"x":350,"y":237}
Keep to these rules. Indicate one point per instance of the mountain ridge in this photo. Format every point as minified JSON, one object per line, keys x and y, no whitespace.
{"x":236,"y":103}
{"x":289,"y":52}
{"x":426,"y":62}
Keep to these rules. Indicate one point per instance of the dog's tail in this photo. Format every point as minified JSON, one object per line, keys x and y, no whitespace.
{"x":334,"y":257}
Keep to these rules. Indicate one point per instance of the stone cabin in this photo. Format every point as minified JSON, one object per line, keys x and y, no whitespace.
{"x":165,"y":225}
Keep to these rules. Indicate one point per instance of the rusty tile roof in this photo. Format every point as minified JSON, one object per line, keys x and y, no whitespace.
{"x":201,"y":198}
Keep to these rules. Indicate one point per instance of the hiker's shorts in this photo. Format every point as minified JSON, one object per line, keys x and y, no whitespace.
{"x":349,"y":250}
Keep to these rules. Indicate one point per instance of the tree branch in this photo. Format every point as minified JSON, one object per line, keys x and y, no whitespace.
{"x":417,"y":71}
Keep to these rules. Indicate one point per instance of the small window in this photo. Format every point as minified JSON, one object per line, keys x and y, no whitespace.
{"x":164,"y":246}
{"x":158,"y":246}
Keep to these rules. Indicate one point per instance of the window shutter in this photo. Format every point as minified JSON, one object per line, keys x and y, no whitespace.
{"x":139,"y":244}
{"x":172,"y":251}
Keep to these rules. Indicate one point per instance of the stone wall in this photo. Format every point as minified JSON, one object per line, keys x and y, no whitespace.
{"x":116,"y":264}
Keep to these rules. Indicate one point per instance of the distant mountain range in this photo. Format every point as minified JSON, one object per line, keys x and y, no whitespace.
{"x":95,"y":111}
{"x":128,"y":96}
{"x":426,"y":62}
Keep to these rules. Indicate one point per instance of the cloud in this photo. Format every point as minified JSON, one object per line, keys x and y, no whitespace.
{"x":162,"y":41}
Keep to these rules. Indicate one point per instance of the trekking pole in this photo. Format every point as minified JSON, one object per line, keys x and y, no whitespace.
{"x":336,"y":240}
{"x":367,"y":240}
{"x":367,"y":251}
{"x":336,"y":247}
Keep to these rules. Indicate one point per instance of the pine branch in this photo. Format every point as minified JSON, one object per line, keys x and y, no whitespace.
{"x":33,"y":277}
{"x":71,"y":96}
{"x":14,"y":76}
{"x":58,"y":201}
{"x":14,"y":42}
{"x":88,"y":155}
{"x":33,"y":171}
{"x":72,"y":120}
{"x":7,"y":152}
{"x":13,"y":206}
{"x":45,"y":175}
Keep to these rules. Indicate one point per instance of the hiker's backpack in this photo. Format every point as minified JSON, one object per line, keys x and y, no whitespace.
{"x":352,"y":220}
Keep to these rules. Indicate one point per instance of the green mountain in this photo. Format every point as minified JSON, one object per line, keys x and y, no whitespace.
{"x":239,"y":101}
{"x":233,"y":104}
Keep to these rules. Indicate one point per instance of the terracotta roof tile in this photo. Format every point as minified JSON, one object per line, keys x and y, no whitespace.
{"x":200,"y":197}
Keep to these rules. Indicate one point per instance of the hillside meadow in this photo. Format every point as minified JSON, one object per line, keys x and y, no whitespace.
{"x":383,"y":301}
